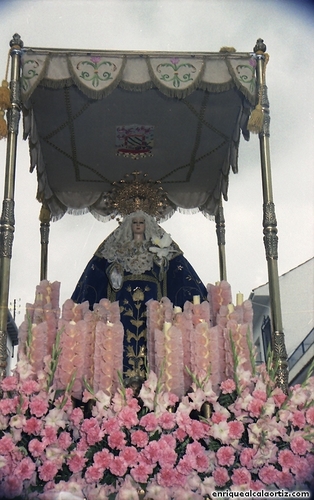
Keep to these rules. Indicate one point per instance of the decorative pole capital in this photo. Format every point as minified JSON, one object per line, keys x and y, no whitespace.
{"x":16,"y":42}
{"x":260,"y":47}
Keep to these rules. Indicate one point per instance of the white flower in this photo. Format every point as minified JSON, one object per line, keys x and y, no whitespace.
{"x":56,"y":418}
{"x":161,"y":245}
{"x":163,"y":242}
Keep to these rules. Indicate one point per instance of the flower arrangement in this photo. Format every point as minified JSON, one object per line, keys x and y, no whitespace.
{"x":156,"y":446}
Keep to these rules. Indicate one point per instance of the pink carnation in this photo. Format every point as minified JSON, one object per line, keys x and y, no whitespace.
{"x":12,"y":487}
{"x":8,"y":406}
{"x":93,"y":432}
{"x":241,"y":477}
{"x":139,"y":438}
{"x":166,"y":420}
{"x":30,"y":387}
{"x":228,"y":386}
{"x":279,"y":396}
{"x":9,"y":383}
{"x":128,"y":417}
{"x":65,"y":440}
{"x":166,"y":477}
{"x":299,"y":445}
{"x":286,"y":459}
{"x":141,"y":472}
{"x":255,"y":407}
{"x":117,"y":440}
{"x":129,"y":455}
{"x":149,"y":422}
{"x":47,"y":471}
{"x":118,"y":467}
{"x":93,"y":474}
{"x":6,"y":445}
{"x":221,"y":476}
{"x":236,"y":429}
{"x":102,"y":459}
{"x":285,"y":480}
{"x":76,"y":463}
{"x":38,"y":406}
{"x":225,"y":455}
{"x":25,"y":468}
{"x":49,"y":435}
{"x":246,"y":457}
{"x":32,"y":426}
{"x":76,"y":416}
{"x":268,"y":474}
{"x":36,"y":447}
{"x":298,"y":419}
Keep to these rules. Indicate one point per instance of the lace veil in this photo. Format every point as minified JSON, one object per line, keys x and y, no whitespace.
{"x":132,"y":255}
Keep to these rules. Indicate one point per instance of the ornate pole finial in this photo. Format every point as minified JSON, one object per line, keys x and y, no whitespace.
{"x":16,"y":42}
{"x":260,"y":47}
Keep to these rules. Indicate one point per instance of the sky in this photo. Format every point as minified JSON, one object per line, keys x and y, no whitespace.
{"x":287,"y":28}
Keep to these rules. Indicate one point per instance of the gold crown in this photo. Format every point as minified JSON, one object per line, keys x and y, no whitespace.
{"x":137,"y":193}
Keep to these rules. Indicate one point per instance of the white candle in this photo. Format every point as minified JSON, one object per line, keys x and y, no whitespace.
{"x":196,"y":299}
{"x":166,"y":327}
{"x":177,"y":310}
{"x":239,"y":299}
{"x":230,"y":308}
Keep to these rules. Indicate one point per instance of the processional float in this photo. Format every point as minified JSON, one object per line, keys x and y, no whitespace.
{"x":89,"y":114}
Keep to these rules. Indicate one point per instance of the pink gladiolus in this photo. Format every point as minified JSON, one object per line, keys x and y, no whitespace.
{"x":310,"y":415}
{"x":221,"y":476}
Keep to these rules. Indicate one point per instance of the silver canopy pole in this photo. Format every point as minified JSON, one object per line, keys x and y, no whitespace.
{"x":7,"y":221}
{"x":270,"y":224}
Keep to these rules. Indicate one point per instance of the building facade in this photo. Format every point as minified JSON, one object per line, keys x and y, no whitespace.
{"x":297,"y":304}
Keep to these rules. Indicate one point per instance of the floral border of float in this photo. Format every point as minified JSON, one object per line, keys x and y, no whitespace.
{"x":154,"y":446}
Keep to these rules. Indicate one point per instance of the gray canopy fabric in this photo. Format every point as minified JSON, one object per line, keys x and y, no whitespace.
{"x":93,"y":118}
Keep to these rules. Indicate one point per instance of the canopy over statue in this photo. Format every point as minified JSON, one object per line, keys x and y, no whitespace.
{"x":90,"y":115}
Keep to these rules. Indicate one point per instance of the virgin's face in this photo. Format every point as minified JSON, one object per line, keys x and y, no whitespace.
{"x":138,"y":226}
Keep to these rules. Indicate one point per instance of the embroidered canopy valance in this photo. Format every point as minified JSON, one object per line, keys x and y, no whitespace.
{"x":92,"y":118}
